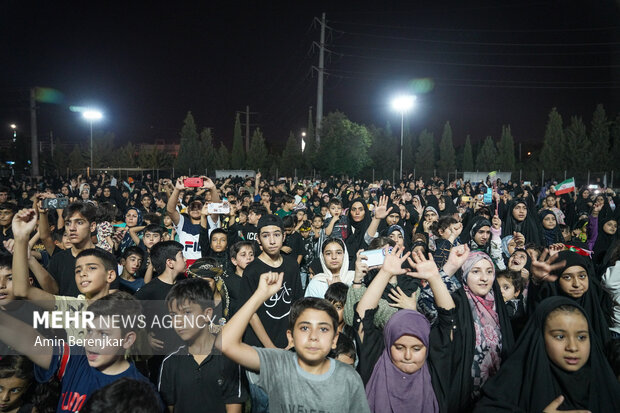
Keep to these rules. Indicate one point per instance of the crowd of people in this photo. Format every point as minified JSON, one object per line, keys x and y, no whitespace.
{"x":331,"y":295}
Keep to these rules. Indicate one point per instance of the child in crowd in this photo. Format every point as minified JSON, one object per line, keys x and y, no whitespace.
{"x":449,"y":230}
{"x":241,"y":255}
{"x":16,"y":384}
{"x":511,"y":284}
{"x":308,"y":243}
{"x":131,"y":262}
{"x":336,"y":225}
{"x":294,"y":379}
{"x":293,"y":243}
{"x":217,"y":385}
{"x":124,"y":395}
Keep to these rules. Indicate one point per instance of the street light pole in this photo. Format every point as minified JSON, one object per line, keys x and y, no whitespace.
{"x":402,"y":127}
{"x":90,"y":116}
{"x":91,"y":146}
{"x":402,"y":104}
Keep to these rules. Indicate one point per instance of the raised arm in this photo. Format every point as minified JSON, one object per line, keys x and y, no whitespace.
{"x":133,"y":233}
{"x":426,"y":269}
{"x":232,"y":333}
{"x":24,"y":222}
{"x":257,"y":183}
{"x":171,"y":206}
{"x":44,"y":278}
{"x":380,"y":213}
{"x":24,"y":341}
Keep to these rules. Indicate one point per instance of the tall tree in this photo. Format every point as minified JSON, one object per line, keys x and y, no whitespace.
{"x":344,"y":146}
{"x":237,"y":155}
{"x":189,"y":157}
{"x":103,"y":150}
{"x":291,"y":155}
{"x":76,"y":158}
{"x":599,"y":137}
{"x":615,"y":143}
{"x":154,"y":158}
{"x":577,"y":145}
{"x":408,"y":154}
{"x":447,"y":157}
{"x":552,"y":155}
{"x":382,"y":152}
{"x":222,"y":157}
{"x":258,"y":155}
{"x":126,"y":156}
{"x":207,"y":149}
{"x":506,"y":150}
{"x":468,"y":156}
{"x":487,"y":156}
{"x":310,"y":139}
{"x":425,"y":155}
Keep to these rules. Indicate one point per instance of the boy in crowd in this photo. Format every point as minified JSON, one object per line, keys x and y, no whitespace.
{"x":81,"y":370}
{"x":216,"y":385}
{"x":292,"y":380}
{"x":7,"y":211}
{"x":241,"y":255}
{"x":169,"y":263}
{"x":309,"y":246}
{"x":287,"y":205}
{"x":153,"y":233}
{"x":336,"y":225}
{"x":188,"y":226}
{"x":511,"y":285}
{"x":131,"y":261}
{"x":79,"y":224}
{"x":293,"y":243}
{"x":248,"y":231}
{"x":268,"y":325}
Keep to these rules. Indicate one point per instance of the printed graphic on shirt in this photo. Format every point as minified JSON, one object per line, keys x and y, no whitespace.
{"x":283,"y":295}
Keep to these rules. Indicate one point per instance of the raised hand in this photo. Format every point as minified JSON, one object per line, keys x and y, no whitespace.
{"x":269,"y":284}
{"x":207,"y":183}
{"x":24,"y":223}
{"x":496,"y":222}
{"x":456,"y":259}
{"x":555,"y":248}
{"x":402,"y":300}
{"x":424,"y":268}
{"x":393,"y":262}
{"x":361,"y":268}
{"x":179,"y":184}
{"x":381,"y":210}
{"x":544,"y":266}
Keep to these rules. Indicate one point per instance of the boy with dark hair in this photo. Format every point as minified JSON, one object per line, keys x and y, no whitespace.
{"x":293,"y":243}
{"x":336,"y":225}
{"x":286,"y":206}
{"x":169,"y":263}
{"x":216,"y":385}
{"x":268,"y":326}
{"x":241,"y":255}
{"x":152,"y":234}
{"x":131,"y":262}
{"x":123,"y":395}
{"x":79,"y":224}
{"x":7,"y":211}
{"x":81,"y":370}
{"x":292,"y":380}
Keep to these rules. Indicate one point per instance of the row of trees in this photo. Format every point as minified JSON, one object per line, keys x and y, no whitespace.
{"x":353,"y":149}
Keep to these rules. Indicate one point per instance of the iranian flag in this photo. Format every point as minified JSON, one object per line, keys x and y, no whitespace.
{"x":565,"y":187}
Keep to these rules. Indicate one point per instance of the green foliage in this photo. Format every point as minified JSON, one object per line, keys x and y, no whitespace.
{"x":126,"y":156}
{"x":222,"y":157}
{"x":237,"y":154}
{"x":576,"y":142}
{"x":291,"y":156}
{"x":599,"y":137}
{"x":155,"y":158}
{"x":425,"y":155}
{"x":103,"y":150}
{"x":310,"y":139}
{"x":468,"y":156}
{"x":344,"y":146}
{"x":258,"y":155}
{"x":408,"y":154}
{"x":447,"y":157}
{"x":551,"y":155}
{"x":506,"y":150}
{"x":382,"y":152}
{"x":487,"y":156}
{"x":76,"y":159}
{"x":207,"y":148}
{"x":189,"y":157}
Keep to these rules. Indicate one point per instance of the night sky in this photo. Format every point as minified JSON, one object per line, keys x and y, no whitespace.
{"x":477,"y":64}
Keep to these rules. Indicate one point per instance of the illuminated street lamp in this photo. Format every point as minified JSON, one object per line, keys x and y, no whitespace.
{"x":14,"y":127}
{"x":90,"y":116}
{"x":303,"y":143}
{"x":403,"y":104}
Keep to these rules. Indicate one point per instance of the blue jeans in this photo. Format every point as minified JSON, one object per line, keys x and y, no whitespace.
{"x":260,"y":400}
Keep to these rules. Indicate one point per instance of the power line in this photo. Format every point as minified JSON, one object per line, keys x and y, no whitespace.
{"x":463,"y":42}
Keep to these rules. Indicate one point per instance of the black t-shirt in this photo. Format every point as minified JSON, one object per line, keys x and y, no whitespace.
{"x":62,"y":268}
{"x":245,"y":232}
{"x":207,"y":387}
{"x":296,"y":242}
{"x":274,"y":312}
{"x":233,"y":284}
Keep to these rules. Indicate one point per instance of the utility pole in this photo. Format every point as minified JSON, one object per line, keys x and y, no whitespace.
{"x":33,"y":133}
{"x":247,"y":114}
{"x":319,"y":89}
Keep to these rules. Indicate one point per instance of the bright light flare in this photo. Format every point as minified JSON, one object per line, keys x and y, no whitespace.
{"x":13,"y":126}
{"x":92,"y":115}
{"x":403,"y":103}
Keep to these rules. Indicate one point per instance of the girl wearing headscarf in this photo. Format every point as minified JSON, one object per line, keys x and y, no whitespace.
{"x":520,"y":219}
{"x":429,"y":216}
{"x":358,"y":223}
{"x":133,"y":218}
{"x":606,"y":235}
{"x":483,"y":337}
{"x":574,"y":279}
{"x":556,"y":356}
{"x":335,"y":263}
{"x":477,"y":235}
{"x":551,"y":232}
